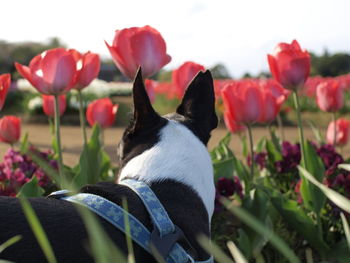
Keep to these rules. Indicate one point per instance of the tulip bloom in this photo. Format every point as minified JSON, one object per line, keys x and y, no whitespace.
{"x":5,"y":82}
{"x":139,"y":46}
{"x":329,"y":95}
{"x":183,"y":75}
{"x":10,"y":129}
{"x":231,"y":124}
{"x":88,"y":67}
{"x":49,"y":104}
{"x":150,"y":89}
{"x":101,"y":111}
{"x":290,"y":65}
{"x":243,"y":100}
{"x":53,"y":72}
{"x":342,"y":132}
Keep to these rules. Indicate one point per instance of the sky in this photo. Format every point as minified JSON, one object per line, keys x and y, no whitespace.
{"x":238,"y":34}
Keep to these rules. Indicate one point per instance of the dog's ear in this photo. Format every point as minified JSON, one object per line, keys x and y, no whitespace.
{"x":198,"y":103}
{"x":144,"y":114}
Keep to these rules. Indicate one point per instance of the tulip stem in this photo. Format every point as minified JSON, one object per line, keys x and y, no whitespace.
{"x":82,"y":115}
{"x":334,"y":118}
{"x":58,"y":138}
{"x":251,"y":144}
{"x":301,"y":131}
{"x":280,"y":125}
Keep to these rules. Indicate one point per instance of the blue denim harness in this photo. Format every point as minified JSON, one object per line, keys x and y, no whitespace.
{"x":162,"y":241}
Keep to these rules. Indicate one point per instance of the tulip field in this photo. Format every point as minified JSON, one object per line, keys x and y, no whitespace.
{"x":278,"y":199}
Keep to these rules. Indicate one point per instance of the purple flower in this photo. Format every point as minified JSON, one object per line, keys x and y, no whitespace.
{"x":330,"y":158}
{"x":259,"y":158}
{"x":291,"y":157}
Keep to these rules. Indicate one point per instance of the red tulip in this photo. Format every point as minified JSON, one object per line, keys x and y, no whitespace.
{"x":342,"y":132}
{"x":150,"y":88}
{"x":290,"y":65}
{"x":10,"y":129}
{"x":329,"y":95}
{"x":165,"y":88}
{"x":139,"y":46}
{"x":101,"y":111}
{"x":52,"y":72}
{"x":88,"y":67}
{"x":5,"y":81}
{"x":49,"y":104}
{"x":231,"y":124}
{"x":183,"y":75}
{"x":243,"y":100}
{"x":273,"y":96}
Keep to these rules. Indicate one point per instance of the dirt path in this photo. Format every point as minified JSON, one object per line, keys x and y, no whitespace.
{"x":72,"y":140}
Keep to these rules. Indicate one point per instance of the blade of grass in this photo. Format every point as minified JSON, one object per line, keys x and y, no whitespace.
{"x":259,"y":227}
{"x":38,"y":230}
{"x":236,"y":253}
{"x":10,"y":242}
{"x":214,"y":250}
{"x":344,"y":166}
{"x":103,"y":249}
{"x":332,"y":195}
{"x":346,"y":228}
{"x":131,"y":257}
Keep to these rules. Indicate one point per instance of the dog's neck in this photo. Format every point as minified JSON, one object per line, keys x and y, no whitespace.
{"x":180,"y":156}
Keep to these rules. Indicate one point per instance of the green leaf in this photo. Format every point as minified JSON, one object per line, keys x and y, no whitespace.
{"x":94,"y":162}
{"x":222,"y":158}
{"x":31,"y":189}
{"x":236,"y":253}
{"x":244,"y":243}
{"x":346,"y":228}
{"x":24,"y":143}
{"x":261,"y":145}
{"x":332,"y":195}
{"x":273,"y":152}
{"x":344,"y":166}
{"x":213,"y":249}
{"x":38,"y":230}
{"x":340,"y":252}
{"x":316,"y":132}
{"x":313,"y":198}
{"x":10,"y":242}
{"x":260,"y":228}
{"x":275,"y":140}
{"x":298,"y":220}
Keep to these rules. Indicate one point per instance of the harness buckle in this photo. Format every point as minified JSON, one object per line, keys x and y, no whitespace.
{"x":163,"y":245}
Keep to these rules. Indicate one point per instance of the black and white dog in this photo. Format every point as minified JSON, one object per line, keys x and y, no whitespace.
{"x":169,"y":153}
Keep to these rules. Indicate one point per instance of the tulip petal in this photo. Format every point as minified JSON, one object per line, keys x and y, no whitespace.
{"x":5,"y":82}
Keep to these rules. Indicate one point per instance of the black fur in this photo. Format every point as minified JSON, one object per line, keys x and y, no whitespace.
{"x":67,"y":233}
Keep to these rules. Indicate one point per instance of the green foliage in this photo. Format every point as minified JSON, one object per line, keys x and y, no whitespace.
{"x":31,"y":189}
{"x":94,"y":163}
{"x":330,"y":65}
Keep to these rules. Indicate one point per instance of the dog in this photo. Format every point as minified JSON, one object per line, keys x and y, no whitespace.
{"x":167,"y":152}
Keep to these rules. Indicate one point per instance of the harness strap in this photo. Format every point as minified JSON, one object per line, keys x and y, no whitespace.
{"x":114,"y":214}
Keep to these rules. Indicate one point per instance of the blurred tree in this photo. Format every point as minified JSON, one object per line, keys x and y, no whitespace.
{"x":219,"y":71}
{"x":328,"y":65}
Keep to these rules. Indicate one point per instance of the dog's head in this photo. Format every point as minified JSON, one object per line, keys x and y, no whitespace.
{"x":173,"y":146}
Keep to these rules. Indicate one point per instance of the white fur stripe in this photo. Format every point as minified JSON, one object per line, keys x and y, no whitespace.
{"x":179,"y":155}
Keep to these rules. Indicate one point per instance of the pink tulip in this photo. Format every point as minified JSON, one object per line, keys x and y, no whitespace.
{"x":10,"y":129}
{"x":52,"y":72}
{"x":5,"y":81}
{"x":150,"y":88}
{"x":102,"y":112}
{"x":183,"y":75}
{"x":243,"y":100}
{"x":231,"y":124}
{"x":329,"y":95}
{"x":342,"y":132}
{"x":290,"y":65}
{"x":49,"y":104}
{"x":139,"y":46}
{"x":273,"y":96}
{"x":88,"y":67}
